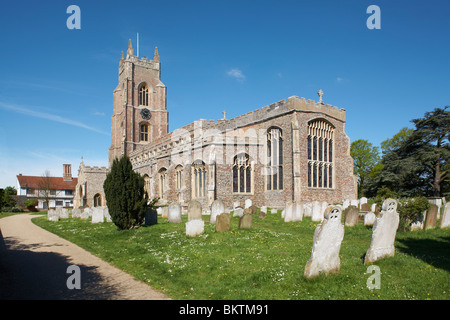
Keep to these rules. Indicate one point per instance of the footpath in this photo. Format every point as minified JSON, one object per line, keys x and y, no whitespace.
{"x":34,"y":266}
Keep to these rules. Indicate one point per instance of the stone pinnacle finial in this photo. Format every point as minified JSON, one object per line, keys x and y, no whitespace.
{"x":121,"y":56}
{"x":320,"y":93}
{"x":130,"y":50}
{"x":156,"y":55}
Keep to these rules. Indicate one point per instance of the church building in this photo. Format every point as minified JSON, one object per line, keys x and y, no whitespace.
{"x":291,"y":150}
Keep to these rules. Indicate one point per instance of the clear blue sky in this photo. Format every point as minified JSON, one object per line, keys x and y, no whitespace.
{"x":56,"y":84}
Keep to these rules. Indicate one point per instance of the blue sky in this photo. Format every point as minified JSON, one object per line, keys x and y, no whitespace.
{"x":56,"y":84}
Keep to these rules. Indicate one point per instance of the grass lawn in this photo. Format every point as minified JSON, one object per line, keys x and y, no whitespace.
{"x":265,"y":262}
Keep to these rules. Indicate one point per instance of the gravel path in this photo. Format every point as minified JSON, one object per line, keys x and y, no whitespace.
{"x":34,"y":262}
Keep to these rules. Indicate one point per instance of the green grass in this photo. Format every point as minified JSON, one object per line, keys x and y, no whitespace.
{"x":265,"y":262}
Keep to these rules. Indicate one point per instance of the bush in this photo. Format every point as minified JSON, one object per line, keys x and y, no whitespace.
{"x":31,"y":203}
{"x":125,"y":195}
{"x":411,"y":210}
{"x":16,"y":209}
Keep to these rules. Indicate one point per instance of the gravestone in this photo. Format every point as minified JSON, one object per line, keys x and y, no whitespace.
{"x":195,"y":227}
{"x":362,"y":200}
{"x":317,"y":213}
{"x":76,"y":213}
{"x":263,"y":209}
{"x":288,"y":211}
{"x":217,"y":207}
{"x":365,"y":207}
{"x":262,"y":214}
{"x":248,"y":203}
{"x":369,"y":218}
{"x":236,"y":204}
{"x":164,"y":212}
{"x":151,"y":217}
{"x":85,"y":214}
{"x":383,"y":234}
{"x":97,"y":215}
{"x":52,"y":215}
{"x":431,"y":217}
{"x":351,"y":216}
{"x":298,"y":212}
{"x":106,"y":214}
{"x":307,"y":209}
{"x":194,"y":210}
{"x":326,"y":244}
{"x":64,"y":213}
{"x":445,"y":219}
{"x":238,"y":212}
{"x":345,"y":204}
{"x":373,"y":207}
{"x":223,"y":222}
{"x":246,"y":221}
{"x":174,"y":212}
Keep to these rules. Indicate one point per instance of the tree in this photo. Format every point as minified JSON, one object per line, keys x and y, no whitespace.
{"x":7,"y":200}
{"x":45,"y":186}
{"x":365,"y":161}
{"x":125,"y":195}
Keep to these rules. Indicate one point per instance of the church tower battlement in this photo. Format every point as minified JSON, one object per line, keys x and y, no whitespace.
{"x":139,"y":104}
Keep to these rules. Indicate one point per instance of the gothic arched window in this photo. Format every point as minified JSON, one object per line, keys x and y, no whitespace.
{"x":147,"y":184}
{"x":179,"y":176}
{"x":143,"y":95}
{"x":320,"y":154}
{"x":274,"y":159}
{"x":198,"y":179}
{"x":97,"y":200}
{"x":242,"y":174}
{"x":143,"y":132}
{"x":162,"y":182}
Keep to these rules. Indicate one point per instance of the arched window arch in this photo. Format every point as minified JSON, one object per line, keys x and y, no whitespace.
{"x":320,"y":154}
{"x":242,"y":174}
{"x":144,"y":132}
{"x":162,"y":182}
{"x":179,"y":176}
{"x":198,"y":179}
{"x":274,"y":159}
{"x":98,"y":200}
{"x":143,"y":94}
{"x":147,"y":184}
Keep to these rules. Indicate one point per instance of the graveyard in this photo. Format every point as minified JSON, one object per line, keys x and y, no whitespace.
{"x":264,"y":260}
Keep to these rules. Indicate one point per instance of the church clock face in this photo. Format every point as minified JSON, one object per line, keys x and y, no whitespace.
{"x":146,"y":114}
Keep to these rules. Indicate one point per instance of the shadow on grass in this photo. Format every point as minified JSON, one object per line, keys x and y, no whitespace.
{"x":433,"y":252}
{"x":30,"y":275}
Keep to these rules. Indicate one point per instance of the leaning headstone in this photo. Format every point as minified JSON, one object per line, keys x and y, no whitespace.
{"x":445,"y":219}
{"x":369,"y":218}
{"x":351,"y":216}
{"x":326,"y":244}
{"x":317,"y":213}
{"x":383,"y":234}
{"x":64,"y":213}
{"x":151,"y":217}
{"x":217,"y":207}
{"x":238,"y":212}
{"x":246,"y":221}
{"x":431,"y":217}
{"x":223,"y":222}
{"x":97,"y":215}
{"x":174,"y":215}
{"x":52,"y":215}
{"x":248,"y":203}
{"x":195,"y":227}
{"x":76,"y":213}
{"x":194,"y":210}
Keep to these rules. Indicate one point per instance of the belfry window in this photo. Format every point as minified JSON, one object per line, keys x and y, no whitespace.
{"x":242,"y":174}
{"x":143,"y":132}
{"x":274,"y":159}
{"x":143,"y":95}
{"x":320,"y":154}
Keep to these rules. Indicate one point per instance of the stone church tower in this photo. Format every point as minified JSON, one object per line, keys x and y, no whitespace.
{"x":139,"y":104}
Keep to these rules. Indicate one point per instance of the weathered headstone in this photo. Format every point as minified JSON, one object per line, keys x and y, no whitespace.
{"x":373,"y":207}
{"x":369,"y":218}
{"x":431,"y":217}
{"x":223,"y":222}
{"x":298,"y":212}
{"x":52,"y":215}
{"x":151,"y":217}
{"x":317,"y":213}
{"x":383,"y":234}
{"x":288,"y":211}
{"x":174,"y":212}
{"x":362,"y":200}
{"x":195,"y":227}
{"x":263,"y":209}
{"x":217,"y":207}
{"x":354,"y":203}
{"x":365,"y":207}
{"x":64,"y":213}
{"x":326,"y":244}
{"x":238,"y":212}
{"x":307,"y":209}
{"x":97,"y":215}
{"x":194,"y":210}
{"x":248,"y":203}
{"x":164,"y":211}
{"x":351,"y":216}
{"x":106,"y":214}
{"x":85,"y":214}
{"x":76,"y":213}
{"x":445,"y":219}
{"x":246,"y":221}
{"x":345,"y":204}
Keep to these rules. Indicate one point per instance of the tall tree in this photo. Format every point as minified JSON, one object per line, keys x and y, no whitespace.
{"x":365,"y":159}
{"x":45,"y":187}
